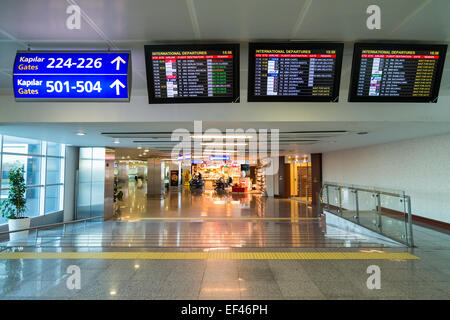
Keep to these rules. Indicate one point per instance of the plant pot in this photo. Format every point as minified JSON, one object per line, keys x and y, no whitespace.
{"x":18,"y":224}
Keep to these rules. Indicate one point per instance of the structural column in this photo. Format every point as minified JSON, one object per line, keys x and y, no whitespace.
{"x":70,"y":182}
{"x":109,"y":184}
{"x":155,"y":178}
{"x":316,"y":179}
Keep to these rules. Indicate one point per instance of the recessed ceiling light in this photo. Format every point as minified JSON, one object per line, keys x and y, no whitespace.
{"x":139,"y":148}
{"x":146,"y":150}
{"x":81,"y":134}
{"x":117,"y":141}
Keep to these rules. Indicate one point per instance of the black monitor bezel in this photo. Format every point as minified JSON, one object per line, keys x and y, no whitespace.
{"x":356,"y":62}
{"x":234,"y":47}
{"x":253,"y":46}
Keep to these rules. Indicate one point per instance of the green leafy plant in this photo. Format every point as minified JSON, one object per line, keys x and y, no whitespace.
{"x":14,"y":206}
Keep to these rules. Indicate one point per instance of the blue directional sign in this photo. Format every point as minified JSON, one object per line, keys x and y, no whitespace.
{"x":72,"y":76}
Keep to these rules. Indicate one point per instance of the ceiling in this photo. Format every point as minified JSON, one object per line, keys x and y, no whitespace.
{"x":130,"y":24}
{"x":330,"y":137}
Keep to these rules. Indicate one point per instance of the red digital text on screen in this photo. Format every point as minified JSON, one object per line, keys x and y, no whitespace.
{"x":220,"y":56}
{"x":285,"y":55}
{"x":399,"y":56}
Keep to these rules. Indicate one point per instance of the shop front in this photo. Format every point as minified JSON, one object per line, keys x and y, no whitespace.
{"x":237,"y":176}
{"x":300,"y":177}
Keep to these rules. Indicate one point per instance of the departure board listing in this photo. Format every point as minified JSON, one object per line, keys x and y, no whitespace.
{"x":72,"y":76}
{"x":294,"y":71}
{"x":396,"y":73}
{"x":193,"y":73}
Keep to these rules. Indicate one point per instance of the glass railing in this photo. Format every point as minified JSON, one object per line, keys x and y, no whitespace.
{"x":385,"y":211}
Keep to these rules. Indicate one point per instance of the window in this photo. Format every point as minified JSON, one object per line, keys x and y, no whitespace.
{"x":55,"y":149}
{"x":54,"y":170}
{"x":52,"y":198}
{"x":43,"y":165}
{"x":31,"y":166}
{"x":21,"y":145}
{"x":33,"y":196}
{"x":3,"y":196}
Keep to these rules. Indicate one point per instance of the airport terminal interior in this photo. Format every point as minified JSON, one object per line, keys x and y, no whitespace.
{"x":224,"y":150}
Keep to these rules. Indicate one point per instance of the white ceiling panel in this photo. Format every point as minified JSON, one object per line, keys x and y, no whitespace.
{"x":5,"y":80}
{"x":249,"y":19}
{"x":156,"y":20}
{"x":3,"y":36}
{"x":346,"y":20}
{"x":445,"y":83}
{"x":430,"y":23}
{"x":7,"y":54}
{"x":41,"y":20}
{"x":187,"y":20}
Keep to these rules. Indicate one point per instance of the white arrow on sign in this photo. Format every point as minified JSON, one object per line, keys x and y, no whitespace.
{"x":117,"y":84}
{"x":117,"y":61}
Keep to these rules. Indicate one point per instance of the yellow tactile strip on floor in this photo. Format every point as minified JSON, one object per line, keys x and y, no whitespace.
{"x":212,"y":255}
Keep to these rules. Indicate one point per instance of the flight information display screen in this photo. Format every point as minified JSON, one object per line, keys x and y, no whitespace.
{"x":294,"y":71}
{"x":396,"y":73}
{"x":192,"y":73}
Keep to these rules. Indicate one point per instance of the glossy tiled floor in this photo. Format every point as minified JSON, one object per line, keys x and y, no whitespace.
{"x":211,"y":223}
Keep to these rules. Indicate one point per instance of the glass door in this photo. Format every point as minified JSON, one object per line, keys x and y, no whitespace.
{"x":304,"y":182}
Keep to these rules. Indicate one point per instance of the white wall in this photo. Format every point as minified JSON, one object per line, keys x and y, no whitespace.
{"x":420,"y":167}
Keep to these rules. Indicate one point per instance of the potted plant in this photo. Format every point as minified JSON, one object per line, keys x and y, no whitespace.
{"x":14,"y":207}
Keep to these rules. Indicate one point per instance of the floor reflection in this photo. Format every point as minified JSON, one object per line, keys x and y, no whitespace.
{"x":187,"y":203}
{"x":186,"y":218}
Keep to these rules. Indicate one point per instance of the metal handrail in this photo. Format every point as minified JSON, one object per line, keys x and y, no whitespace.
{"x":52,"y":225}
{"x":406,"y":199}
{"x":321,"y":194}
{"x":365,"y":190}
